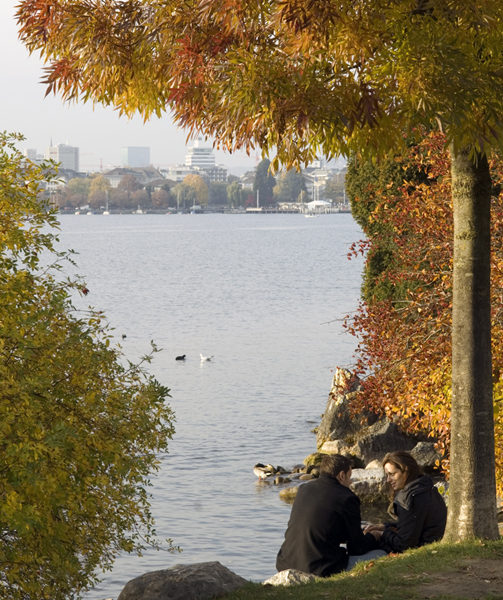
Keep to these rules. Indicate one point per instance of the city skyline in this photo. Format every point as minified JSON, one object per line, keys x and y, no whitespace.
{"x":98,"y":132}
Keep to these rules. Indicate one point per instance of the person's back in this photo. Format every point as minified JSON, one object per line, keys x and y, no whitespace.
{"x":325,"y":514}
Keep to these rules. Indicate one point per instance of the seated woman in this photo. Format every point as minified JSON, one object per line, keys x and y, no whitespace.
{"x":419,"y":507}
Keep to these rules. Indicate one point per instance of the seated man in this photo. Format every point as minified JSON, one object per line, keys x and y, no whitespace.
{"x":326,"y":514}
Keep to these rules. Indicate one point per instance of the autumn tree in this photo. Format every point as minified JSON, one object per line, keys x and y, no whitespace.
{"x":79,"y":185}
{"x":198,"y":189}
{"x":304,"y":78}
{"x":405,"y":337}
{"x":80,"y":427}
{"x":160,"y":199}
{"x":129,"y":184}
{"x":99,"y":190}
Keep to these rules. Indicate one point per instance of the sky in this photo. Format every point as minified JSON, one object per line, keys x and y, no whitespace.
{"x":97,"y":131}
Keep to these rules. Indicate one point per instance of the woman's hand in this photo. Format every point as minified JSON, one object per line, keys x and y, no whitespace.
{"x":373,"y":528}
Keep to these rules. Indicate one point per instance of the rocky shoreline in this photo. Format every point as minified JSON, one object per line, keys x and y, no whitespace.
{"x":365,"y":438}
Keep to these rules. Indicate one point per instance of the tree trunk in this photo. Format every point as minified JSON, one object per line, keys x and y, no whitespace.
{"x":472,"y":491}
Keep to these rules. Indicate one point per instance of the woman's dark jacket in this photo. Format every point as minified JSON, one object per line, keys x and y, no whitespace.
{"x":325,"y":515}
{"x":421,"y":513}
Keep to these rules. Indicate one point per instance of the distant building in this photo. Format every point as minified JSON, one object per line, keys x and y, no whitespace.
{"x":65,"y":154}
{"x":143,"y":175}
{"x":247,"y":180}
{"x":179,"y":172}
{"x":135,"y":156}
{"x":199,"y":156}
{"x":31,"y":154}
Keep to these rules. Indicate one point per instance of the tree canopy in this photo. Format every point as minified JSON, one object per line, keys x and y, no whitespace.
{"x":299,"y":76}
{"x":80,"y":427}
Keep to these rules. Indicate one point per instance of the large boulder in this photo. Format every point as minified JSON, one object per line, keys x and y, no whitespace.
{"x":290,"y":577}
{"x":379,"y":439}
{"x":336,"y":447}
{"x":200,"y":581}
{"x":427,"y":456}
{"x":370,"y":485}
{"x":337,"y":422}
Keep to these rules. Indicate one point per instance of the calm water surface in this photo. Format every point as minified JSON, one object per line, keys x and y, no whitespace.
{"x":264,"y":294}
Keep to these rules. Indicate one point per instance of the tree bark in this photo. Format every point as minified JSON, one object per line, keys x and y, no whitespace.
{"x":472,"y":491}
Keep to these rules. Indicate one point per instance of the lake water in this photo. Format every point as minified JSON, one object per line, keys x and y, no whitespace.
{"x":264,"y":294}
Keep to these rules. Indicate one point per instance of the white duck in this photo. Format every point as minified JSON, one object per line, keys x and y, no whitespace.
{"x":203,"y":358}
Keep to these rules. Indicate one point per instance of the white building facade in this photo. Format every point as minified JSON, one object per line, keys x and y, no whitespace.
{"x":199,"y":156}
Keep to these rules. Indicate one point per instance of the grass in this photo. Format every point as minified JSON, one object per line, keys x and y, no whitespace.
{"x":399,"y":577}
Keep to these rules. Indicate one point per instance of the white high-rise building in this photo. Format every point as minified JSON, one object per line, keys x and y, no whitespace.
{"x":200,"y":157}
{"x":65,"y":154}
{"x":135,"y":156}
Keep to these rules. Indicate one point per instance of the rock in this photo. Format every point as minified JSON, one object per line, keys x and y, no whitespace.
{"x":200,"y":581}
{"x":288,"y":494}
{"x":280,"y":470}
{"x":306,"y":477}
{"x":280,"y":480}
{"x":379,"y":439}
{"x":290,"y":577}
{"x":335,"y":447}
{"x":337,"y":421}
{"x":426,"y":455}
{"x":374,"y":464}
{"x":315,"y":472}
{"x":370,"y":485}
{"x":314,"y":459}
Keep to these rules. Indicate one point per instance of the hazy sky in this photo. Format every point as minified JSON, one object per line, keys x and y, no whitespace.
{"x":98,"y":132}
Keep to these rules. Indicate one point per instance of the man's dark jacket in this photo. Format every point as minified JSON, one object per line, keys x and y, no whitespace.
{"x":325,"y":515}
{"x":422,"y":516}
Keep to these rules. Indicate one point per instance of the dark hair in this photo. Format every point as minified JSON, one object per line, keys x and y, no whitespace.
{"x":333,"y":464}
{"x":405,"y":462}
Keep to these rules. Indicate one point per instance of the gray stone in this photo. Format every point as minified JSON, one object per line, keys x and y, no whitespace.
{"x":200,"y":581}
{"x":426,"y":455}
{"x":370,"y":485}
{"x":335,"y":447}
{"x":290,"y":577}
{"x":280,"y":480}
{"x":379,"y":439}
{"x":337,"y":421}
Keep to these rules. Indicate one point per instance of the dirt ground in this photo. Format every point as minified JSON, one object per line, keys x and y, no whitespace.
{"x":475,"y":579}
